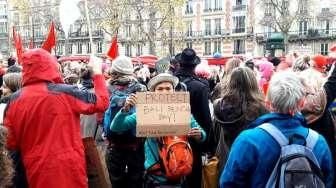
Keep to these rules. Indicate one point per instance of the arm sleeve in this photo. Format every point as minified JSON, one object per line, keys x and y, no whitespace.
{"x":194,"y":124}
{"x":205,"y":120}
{"x":326,"y":162}
{"x":330,"y":88}
{"x":90,"y":103}
{"x":238,"y":167}
{"x":123,"y":121}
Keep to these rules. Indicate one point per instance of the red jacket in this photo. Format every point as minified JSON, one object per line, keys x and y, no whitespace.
{"x":44,"y":126}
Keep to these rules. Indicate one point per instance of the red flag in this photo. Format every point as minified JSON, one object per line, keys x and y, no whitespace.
{"x":31,"y":44}
{"x":18,"y":45}
{"x":113,"y":52}
{"x":50,"y":42}
{"x":333,"y":48}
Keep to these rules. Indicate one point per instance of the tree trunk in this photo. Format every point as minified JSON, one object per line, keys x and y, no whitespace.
{"x":286,"y":43}
{"x":152,"y":29}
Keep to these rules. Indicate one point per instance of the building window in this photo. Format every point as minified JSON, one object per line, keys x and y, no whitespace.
{"x":218,"y":26}
{"x":207,"y":5}
{"x":189,"y":44}
{"x":303,"y":28}
{"x":207,"y":24}
{"x":218,"y":5}
{"x":99,"y":47}
{"x":3,"y":27}
{"x":16,"y":18}
{"x":207,"y":48}
{"x":128,"y":50}
{"x":69,"y":48}
{"x":88,"y":47}
{"x":139,"y":49}
{"x":189,"y":29}
{"x":239,"y":2}
{"x":128,"y":31}
{"x":239,"y":24}
{"x":239,"y":46}
{"x":79,"y":48}
{"x":217,"y":47}
{"x":59,"y":49}
{"x":189,"y":8}
{"x":326,"y":26}
{"x":324,"y":48}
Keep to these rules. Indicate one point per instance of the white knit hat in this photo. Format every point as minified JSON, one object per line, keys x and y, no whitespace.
{"x":123,"y":65}
{"x":163,"y":77}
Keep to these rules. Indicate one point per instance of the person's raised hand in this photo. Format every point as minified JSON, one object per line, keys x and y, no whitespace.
{"x":95,"y":64}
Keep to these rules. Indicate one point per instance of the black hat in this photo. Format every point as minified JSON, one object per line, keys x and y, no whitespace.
{"x":188,"y":57}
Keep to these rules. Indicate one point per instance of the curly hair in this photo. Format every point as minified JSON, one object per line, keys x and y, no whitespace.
{"x":6,"y":168}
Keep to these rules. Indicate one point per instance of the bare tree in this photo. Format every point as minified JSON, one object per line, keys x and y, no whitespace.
{"x":282,"y":14}
{"x":149,"y":17}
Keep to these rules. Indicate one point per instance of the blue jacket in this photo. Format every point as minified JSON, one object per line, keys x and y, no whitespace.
{"x":254,"y":153}
{"x":126,"y":121}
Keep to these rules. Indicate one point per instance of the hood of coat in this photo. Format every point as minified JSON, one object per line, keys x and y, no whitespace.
{"x":39,"y":66}
{"x":228,"y":113}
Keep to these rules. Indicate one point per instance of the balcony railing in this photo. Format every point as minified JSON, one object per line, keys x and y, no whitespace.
{"x":238,"y":52}
{"x":312,"y":34}
{"x":239,"y":7}
{"x":238,"y":30}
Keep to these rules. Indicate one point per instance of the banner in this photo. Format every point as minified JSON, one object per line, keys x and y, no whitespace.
{"x":163,"y":114}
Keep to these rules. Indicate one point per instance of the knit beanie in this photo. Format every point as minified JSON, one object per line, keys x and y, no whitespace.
{"x":319,"y":62}
{"x":123,"y":65}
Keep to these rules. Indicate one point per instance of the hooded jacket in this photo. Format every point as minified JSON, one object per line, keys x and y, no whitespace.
{"x":43,"y":122}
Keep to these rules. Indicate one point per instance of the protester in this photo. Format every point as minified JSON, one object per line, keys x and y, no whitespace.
{"x":242,"y":103}
{"x":255,"y":152}
{"x":6,"y":168}
{"x":53,"y":155}
{"x":319,"y":63}
{"x":301,"y":64}
{"x":124,"y":155}
{"x":126,"y":120}
{"x":266,"y":70}
{"x":229,"y":66}
{"x":88,"y":123}
{"x":320,"y":95}
{"x":199,"y":102}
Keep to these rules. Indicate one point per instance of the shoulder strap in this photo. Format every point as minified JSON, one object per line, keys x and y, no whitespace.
{"x":311,"y":139}
{"x":275,"y":133}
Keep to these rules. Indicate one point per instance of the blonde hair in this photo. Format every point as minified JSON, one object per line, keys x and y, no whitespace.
{"x":13,"y":81}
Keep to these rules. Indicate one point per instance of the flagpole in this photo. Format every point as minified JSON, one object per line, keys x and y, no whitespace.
{"x":89,"y":25}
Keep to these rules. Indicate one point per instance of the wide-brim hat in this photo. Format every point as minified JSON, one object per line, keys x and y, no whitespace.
{"x":163,"y":77}
{"x":188,"y":57}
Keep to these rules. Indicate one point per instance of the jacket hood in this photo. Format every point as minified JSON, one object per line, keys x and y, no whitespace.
{"x":39,"y":66}
{"x":227,"y":113}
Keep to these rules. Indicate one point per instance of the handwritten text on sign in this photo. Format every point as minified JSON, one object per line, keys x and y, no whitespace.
{"x":162,"y":114}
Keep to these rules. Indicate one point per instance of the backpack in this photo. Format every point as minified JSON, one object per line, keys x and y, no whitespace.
{"x":176,"y":157}
{"x":297,"y":165}
{"x":117,"y":101}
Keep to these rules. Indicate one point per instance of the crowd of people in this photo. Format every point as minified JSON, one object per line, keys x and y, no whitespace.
{"x":260,"y":118}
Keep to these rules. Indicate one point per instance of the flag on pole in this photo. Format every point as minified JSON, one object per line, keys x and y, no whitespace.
{"x":18,"y":45}
{"x":50,"y":41}
{"x":113,"y":52}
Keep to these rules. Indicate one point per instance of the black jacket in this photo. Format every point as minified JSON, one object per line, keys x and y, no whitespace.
{"x":199,"y":98}
{"x":324,"y":124}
